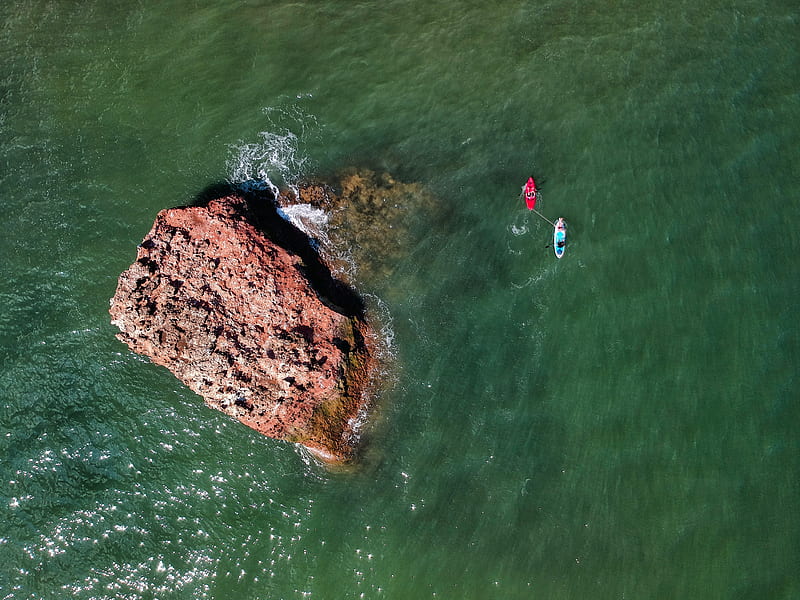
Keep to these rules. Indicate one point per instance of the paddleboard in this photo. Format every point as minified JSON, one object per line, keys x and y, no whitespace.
{"x":560,"y":237}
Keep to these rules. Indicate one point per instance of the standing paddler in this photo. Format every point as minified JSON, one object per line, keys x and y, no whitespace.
{"x":560,"y":237}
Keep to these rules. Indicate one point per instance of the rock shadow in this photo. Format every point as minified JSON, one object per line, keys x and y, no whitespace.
{"x":261,"y":210}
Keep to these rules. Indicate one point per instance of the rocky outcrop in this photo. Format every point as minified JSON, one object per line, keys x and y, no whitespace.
{"x":238,"y":305}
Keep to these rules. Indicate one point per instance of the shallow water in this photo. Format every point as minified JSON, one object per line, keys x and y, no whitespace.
{"x":619,"y":423}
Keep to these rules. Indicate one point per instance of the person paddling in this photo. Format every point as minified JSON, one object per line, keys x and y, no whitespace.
{"x":531,"y":194}
{"x":560,"y":237}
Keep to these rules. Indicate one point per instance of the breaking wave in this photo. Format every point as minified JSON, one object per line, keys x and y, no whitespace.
{"x":310,"y":219}
{"x":277,"y":159}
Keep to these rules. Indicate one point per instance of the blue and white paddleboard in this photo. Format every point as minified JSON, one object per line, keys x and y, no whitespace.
{"x":560,"y":237}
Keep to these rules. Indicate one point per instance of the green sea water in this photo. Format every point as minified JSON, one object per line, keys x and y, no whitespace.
{"x":617,"y":424}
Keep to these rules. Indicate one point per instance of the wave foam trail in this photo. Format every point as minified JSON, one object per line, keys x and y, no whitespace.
{"x":309,"y":219}
{"x":386,"y":333}
{"x":305,"y":215}
{"x":275,"y":159}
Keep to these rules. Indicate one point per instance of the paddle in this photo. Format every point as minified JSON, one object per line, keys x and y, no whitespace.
{"x":545,"y":218}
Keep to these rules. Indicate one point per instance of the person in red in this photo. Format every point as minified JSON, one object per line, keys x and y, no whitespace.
{"x":530,"y":193}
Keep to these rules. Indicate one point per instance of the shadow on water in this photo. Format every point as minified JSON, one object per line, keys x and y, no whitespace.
{"x":261,"y":210}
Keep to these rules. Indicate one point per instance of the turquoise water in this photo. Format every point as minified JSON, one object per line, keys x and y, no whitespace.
{"x":616,"y":424}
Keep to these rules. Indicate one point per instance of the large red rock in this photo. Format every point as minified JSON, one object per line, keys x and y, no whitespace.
{"x":237,"y":304}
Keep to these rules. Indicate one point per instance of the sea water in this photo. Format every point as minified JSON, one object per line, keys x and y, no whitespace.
{"x":620,"y":423}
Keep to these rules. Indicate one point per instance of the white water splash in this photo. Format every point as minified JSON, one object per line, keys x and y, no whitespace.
{"x":310,"y":220}
{"x":520,"y":225}
{"x":305,"y":217}
{"x":273,"y":161}
{"x":385,"y":341}
{"x":276,"y":160}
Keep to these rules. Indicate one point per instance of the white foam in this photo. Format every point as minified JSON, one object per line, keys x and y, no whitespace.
{"x":306,"y":217}
{"x":386,"y":339}
{"x":276,"y":159}
{"x":519,"y":230}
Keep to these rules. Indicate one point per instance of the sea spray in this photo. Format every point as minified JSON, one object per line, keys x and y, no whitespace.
{"x":273,"y":160}
{"x":276,"y":160}
{"x":310,"y":220}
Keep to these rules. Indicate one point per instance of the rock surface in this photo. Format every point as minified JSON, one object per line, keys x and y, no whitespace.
{"x":238,"y":305}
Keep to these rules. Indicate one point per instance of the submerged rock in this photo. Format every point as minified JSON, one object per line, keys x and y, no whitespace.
{"x":238,"y":305}
{"x":372,"y":213}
